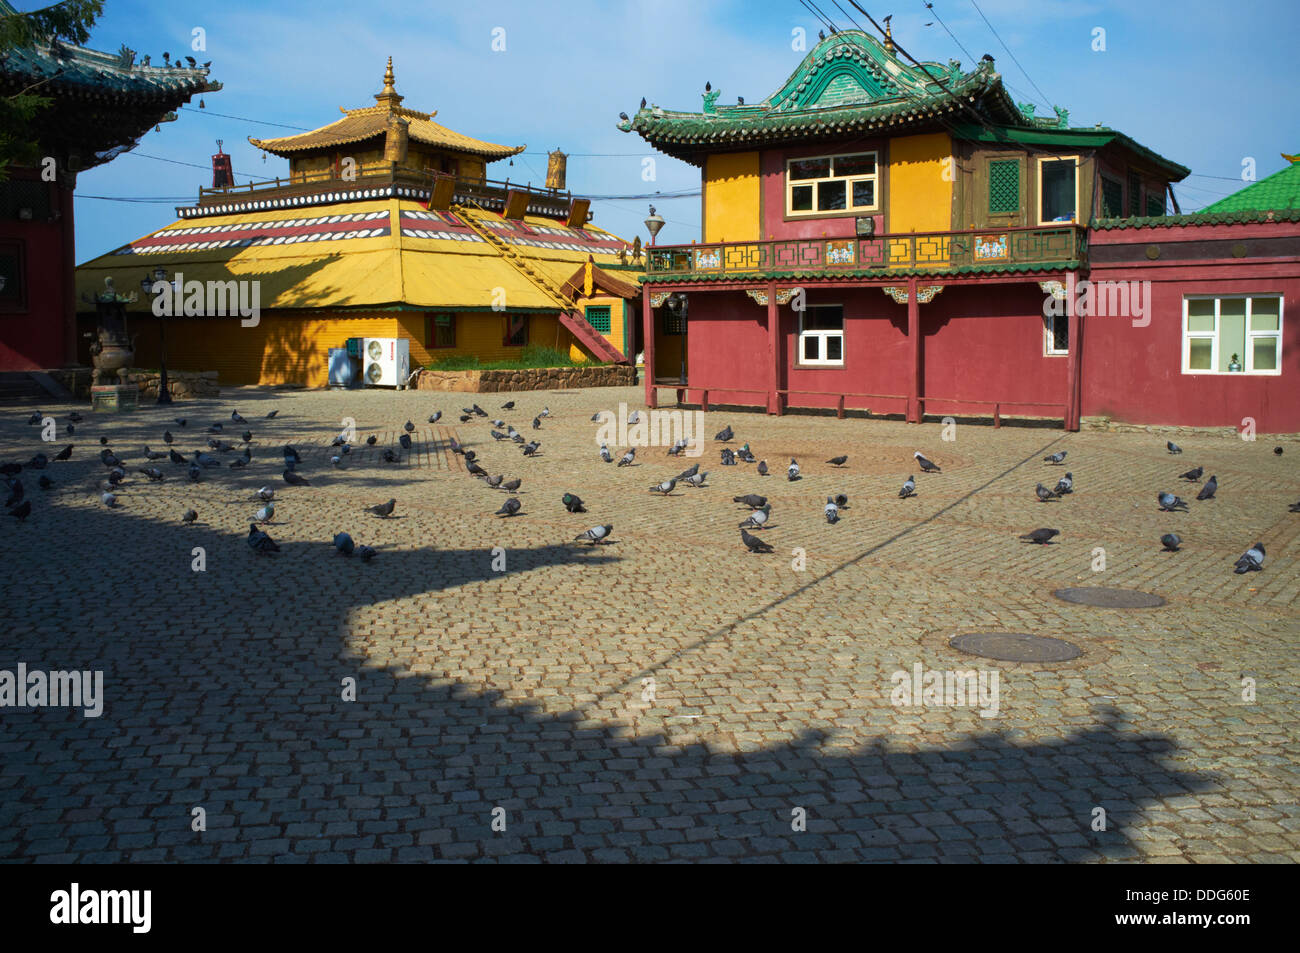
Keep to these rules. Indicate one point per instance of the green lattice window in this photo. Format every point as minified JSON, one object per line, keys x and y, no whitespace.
{"x":1112,"y":198}
{"x":1004,"y":186}
{"x":598,"y":318}
{"x":1134,"y":194}
{"x":1155,"y":205}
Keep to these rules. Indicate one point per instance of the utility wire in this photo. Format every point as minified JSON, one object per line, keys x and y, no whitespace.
{"x":1046,"y":101}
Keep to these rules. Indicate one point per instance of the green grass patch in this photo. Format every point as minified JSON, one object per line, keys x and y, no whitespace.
{"x":533,"y":355}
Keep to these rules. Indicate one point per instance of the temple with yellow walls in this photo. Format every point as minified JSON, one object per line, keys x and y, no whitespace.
{"x":387,"y":226}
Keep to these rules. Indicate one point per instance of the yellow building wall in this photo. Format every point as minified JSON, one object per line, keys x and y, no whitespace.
{"x":731,"y":197}
{"x":920,"y":183}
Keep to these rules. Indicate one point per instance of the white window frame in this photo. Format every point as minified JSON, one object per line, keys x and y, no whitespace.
{"x":1038,"y":186}
{"x":1247,"y":359}
{"x":848,"y":180}
{"x":821,"y":336}
{"x":1049,"y":338}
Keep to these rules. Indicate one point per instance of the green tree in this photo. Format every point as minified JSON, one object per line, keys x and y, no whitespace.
{"x":70,"y":20}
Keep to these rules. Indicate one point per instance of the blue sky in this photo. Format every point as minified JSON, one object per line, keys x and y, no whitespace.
{"x":1202,"y":86}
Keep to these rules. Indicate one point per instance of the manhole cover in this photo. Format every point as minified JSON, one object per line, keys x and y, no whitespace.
{"x":1110,"y":598}
{"x":1015,"y":647}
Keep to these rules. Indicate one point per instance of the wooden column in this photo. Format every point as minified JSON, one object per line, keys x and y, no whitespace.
{"x":914,"y":338}
{"x":648,"y":346}
{"x":69,"y":266}
{"x":773,"y":350}
{"x":1074,"y":326}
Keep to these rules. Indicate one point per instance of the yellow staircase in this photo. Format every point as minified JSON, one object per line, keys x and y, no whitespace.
{"x":570,"y":316}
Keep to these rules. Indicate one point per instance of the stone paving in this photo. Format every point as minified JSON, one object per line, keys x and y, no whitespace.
{"x":666,"y":697}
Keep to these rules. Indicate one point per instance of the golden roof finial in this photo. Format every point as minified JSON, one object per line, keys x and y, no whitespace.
{"x":889,"y":35}
{"x":389,"y":95}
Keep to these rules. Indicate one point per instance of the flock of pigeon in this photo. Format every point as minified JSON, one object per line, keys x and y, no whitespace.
{"x":760,"y":509}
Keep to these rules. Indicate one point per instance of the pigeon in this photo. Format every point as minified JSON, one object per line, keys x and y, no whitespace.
{"x":291,"y":454}
{"x":408,"y":427}
{"x":546,"y":412}
{"x":724,"y":434}
{"x":832,"y":511}
{"x":75,"y":417}
{"x":634,"y":417}
{"x":759,"y":517}
{"x":1193,"y":475}
{"x":266,"y":494}
{"x":752,"y":500}
{"x":1169,"y":503}
{"x":71,"y":430}
{"x":1044,"y":494}
{"x":108,"y":499}
{"x":537,"y":423}
{"x":792,"y":471}
{"x":1041,"y":536}
{"x":1064,"y":485}
{"x":531,"y":448}
{"x":240,"y":462}
{"x":103,"y":441}
{"x":744,"y":454}
{"x":153,"y":473}
{"x":473,"y":469}
{"x":1057,"y":457}
{"x":696,"y":479}
{"x":842,"y":501}
{"x":206,"y":460}
{"x":1211,"y":487}
{"x":464,"y":418}
{"x":909,"y":488}
{"x":45,"y":482}
{"x":728,"y":457}
{"x":66,"y":453}
{"x":469,"y":455}
{"x":272,"y":414}
{"x":479,"y":410}
{"x":510,"y":507}
{"x":925,"y":465}
{"x":1277,"y":451}
{"x":34,"y":418}
{"x":343,"y":544}
{"x":215,"y":428}
{"x":336,"y":442}
{"x":572,"y":503}
{"x":512,"y":433}
{"x":382,"y":509}
{"x":689,"y":472}
{"x":595,"y":418}
{"x":181,"y":421}
{"x":678,"y":447}
{"x":366,"y":553}
{"x":265,"y":513}
{"x":189,"y":516}
{"x":517,"y":437}
{"x":1252,"y":560}
{"x":15,"y":493}
{"x":665,"y":488}
{"x":495,"y":481}
{"x":1173,"y":447}
{"x":627,"y":458}
{"x":511,"y":486}
{"x":261,"y":543}
{"x":371,"y":440}
{"x":11,"y":469}
{"x":508,"y":405}
{"x":176,"y":458}
{"x":389,"y":456}
{"x":294,"y":479}
{"x":168,"y":438}
{"x":21,"y":511}
{"x":596,"y":534}
{"x":234,"y":415}
{"x":762,"y":468}
{"x":754,"y":544}
{"x":150,"y":454}
{"x":220,"y":446}
{"x":435,"y":416}
{"x":838,"y":461}
{"x":1171,"y":542}
{"x":194,"y":473}
{"x":38,"y":462}
{"x":109,"y":458}
{"x":404,"y":440}
{"x":498,"y":436}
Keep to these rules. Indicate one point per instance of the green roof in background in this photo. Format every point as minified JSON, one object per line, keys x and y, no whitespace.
{"x":1281,"y":190}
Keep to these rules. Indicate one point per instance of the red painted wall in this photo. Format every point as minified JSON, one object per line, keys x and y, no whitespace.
{"x":1134,"y":374}
{"x":35,"y":338}
{"x":772,"y":172}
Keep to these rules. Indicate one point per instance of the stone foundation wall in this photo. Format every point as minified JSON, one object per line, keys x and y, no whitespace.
{"x":1107,"y":425}
{"x":537,"y":378}
{"x":181,"y":385}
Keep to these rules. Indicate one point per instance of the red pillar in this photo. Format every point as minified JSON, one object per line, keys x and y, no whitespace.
{"x":914,"y":338}
{"x":773,"y":350}
{"x":1074,"y":324}
{"x":69,"y":316}
{"x":648,"y":347}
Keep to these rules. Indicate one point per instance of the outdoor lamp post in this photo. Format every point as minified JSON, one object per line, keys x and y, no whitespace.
{"x":653,"y":224}
{"x":147,"y":284}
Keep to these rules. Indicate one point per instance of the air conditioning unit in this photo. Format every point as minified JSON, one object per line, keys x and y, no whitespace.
{"x":387,"y":361}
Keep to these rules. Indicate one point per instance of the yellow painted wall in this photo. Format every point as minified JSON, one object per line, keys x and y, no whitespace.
{"x":731,"y":197}
{"x":920,"y":196}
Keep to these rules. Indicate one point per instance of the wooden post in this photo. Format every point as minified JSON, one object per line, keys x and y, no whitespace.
{"x":69,"y":316}
{"x":648,"y":346}
{"x":914,"y":336}
{"x":1075,"y":345}
{"x":773,"y":350}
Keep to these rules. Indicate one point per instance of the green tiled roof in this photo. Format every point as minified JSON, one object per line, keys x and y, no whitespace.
{"x":1204,"y":217}
{"x":937,"y":271}
{"x":849,"y":84}
{"x":1087,"y":137}
{"x":1281,"y":190}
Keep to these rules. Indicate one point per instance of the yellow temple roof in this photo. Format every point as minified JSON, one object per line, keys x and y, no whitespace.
{"x":370,"y":122}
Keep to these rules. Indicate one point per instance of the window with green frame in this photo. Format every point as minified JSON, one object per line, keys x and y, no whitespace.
{"x":598,"y":317}
{"x":1112,"y":197}
{"x":1004,"y":186}
{"x":1155,"y":205}
{"x":440,"y":330}
{"x":1134,"y":194}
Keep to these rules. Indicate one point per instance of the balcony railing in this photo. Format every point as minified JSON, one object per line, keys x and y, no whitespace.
{"x":991,"y":249}
{"x":489,"y":193}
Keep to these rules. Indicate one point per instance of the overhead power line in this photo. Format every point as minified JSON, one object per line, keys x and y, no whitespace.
{"x":1046,"y":101}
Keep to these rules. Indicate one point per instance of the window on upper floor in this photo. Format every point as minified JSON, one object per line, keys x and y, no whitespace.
{"x":821,"y":184}
{"x":1232,"y":335}
{"x":821,"y":335}
{"x":598,"y":317}
{"x":1155,"y":205}
{"x":1134,"y":194}
{"x":1112,"y":198}
{"x":1004,"y":186}
{"x":1058,"y":189}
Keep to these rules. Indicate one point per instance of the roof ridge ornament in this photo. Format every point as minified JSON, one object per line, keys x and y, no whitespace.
{"x":388,"y":96}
